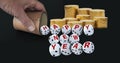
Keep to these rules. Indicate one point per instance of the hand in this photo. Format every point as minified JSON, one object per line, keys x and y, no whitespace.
{"x":17,"y":8}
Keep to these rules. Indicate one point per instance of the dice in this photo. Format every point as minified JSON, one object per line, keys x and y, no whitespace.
{"x":54,"y":50}
{"x":65,"y":49}
{"x":64,"y":38}
{"x":68,"y":44}
{"x":74,"y":38}
{"x":53,"y":39}
{"x":55,"y":29}
{"x":76,"y":48}
{"x":66,"y":29}
{"x":88,"y":30}
{"x":77,"y":29}
{"x":88,"y":47}
{"x":44,"y":30}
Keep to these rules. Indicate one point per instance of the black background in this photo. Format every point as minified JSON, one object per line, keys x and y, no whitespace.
{"x":18,"y":45}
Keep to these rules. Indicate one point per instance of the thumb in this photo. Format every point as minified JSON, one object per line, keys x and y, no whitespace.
{"x":25,"y":20}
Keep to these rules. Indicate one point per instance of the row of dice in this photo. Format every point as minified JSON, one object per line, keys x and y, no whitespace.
{"x":67,"y":48}
{"x":66,"y":29}
{"x":63,"y":38}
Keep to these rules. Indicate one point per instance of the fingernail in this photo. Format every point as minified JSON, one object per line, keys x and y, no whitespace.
{"x":31,"y":28}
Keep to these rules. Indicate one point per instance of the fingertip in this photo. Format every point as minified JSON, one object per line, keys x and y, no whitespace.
{"x":26,"y":21}
{"x":30,"y":25}
{"x":31,"y":28}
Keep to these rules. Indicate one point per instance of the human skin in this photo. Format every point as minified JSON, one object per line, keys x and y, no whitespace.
{"x":17,"y":9}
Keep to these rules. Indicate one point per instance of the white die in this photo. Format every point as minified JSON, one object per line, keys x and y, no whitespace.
{"x":44,"y":30}
{"x":65,"y":49}
{"x":53,"y":39}
{"x":88,"y":47}
{"x":76,"y":48}
{"x":64,"y":38}
{"x":66,"y":29}
{"x":88,"y":30}
{"x":74,"y":38}
{"x":77,"y":29}
{"x":54,"y":50}
{"x":55,"y":29}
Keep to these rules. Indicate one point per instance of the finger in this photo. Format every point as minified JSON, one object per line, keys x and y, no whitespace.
{"x":40,"y":6}
{"x":25,"y":20}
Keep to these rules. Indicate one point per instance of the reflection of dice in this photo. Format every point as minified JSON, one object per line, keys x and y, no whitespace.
{"x":44,"y":30}
{"x":54,"y":50}
{"x":88,"y":30}
{"x":74,"y":38}
{"x":77,"y":29}
{"x":88,"y":47}
{"x":53,"y":39}
{"x":55,"y":29}
{"x":66,"y":29}
{"x":65,"y":49}
{"x":64,"y":38}
{"x":76,"y":48}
